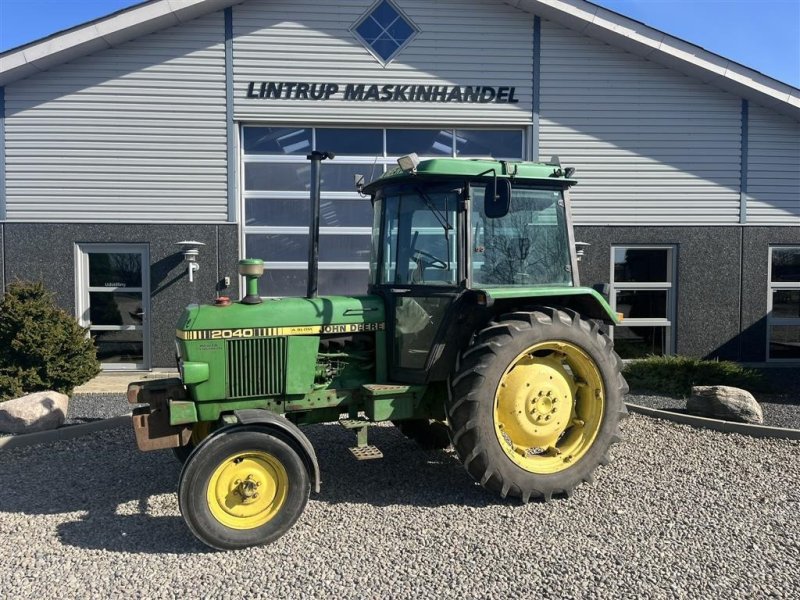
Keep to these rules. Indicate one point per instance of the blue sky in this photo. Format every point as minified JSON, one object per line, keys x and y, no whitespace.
{"x":762,"y":34}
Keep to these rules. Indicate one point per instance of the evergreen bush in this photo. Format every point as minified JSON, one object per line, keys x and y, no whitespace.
{"x":675,"y":375}
{"x":41,"y":346}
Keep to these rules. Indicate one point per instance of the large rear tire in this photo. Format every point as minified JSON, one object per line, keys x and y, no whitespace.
{"x":243,"y":487}
{"x":535,"y":403}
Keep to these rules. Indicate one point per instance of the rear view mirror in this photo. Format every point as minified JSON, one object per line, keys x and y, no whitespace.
{"x":497,"y":198}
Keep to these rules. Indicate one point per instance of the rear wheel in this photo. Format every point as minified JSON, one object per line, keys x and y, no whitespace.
{"x":243,"y":487}
{"x":536,"y":403}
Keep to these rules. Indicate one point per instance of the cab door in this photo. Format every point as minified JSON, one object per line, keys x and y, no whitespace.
{"x":420,"y":275}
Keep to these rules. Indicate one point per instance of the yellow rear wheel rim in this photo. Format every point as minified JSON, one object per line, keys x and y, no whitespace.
{"x":247,"y":489}
{"x":548,"y":407}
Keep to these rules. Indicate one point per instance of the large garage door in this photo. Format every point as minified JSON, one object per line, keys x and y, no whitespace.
{"x":277,"y":184}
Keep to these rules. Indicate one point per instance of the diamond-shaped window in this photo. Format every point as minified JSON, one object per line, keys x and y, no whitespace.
{"x":384,"y":30}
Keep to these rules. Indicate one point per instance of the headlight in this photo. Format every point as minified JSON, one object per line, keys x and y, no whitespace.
{"x":193,"y":372}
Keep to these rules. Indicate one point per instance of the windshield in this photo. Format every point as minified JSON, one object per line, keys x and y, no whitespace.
{"x":528,"y":246}
{"x":420,"y":241}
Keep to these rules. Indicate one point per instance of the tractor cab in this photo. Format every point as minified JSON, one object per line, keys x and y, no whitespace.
{"x":451,"y":233}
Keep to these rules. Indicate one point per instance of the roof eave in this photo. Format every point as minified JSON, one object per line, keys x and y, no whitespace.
{"x":647,"y":42}
{"x":100,"y":34}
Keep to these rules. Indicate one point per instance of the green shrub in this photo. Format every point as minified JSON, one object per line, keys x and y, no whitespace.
{"x":675,"y":375}
{"x":41,"y":346}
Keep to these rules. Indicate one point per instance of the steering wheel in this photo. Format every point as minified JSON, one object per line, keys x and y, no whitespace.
{"x":432,"y":261}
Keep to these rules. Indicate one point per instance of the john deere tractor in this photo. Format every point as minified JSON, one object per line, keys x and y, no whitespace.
{"x":473,"y":331}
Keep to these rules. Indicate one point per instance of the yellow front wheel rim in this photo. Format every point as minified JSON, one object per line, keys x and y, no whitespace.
{"x":548,"y":407}
{"x":247,"y":489}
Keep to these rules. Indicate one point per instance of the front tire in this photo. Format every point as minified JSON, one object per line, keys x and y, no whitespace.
{"x":535,"y":403}
{"x":243,"y":487}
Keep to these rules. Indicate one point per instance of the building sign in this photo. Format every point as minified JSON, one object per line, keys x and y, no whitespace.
{"x":390,"y":92}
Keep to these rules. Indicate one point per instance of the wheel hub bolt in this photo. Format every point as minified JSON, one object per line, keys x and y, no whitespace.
{"x":247,"y":488}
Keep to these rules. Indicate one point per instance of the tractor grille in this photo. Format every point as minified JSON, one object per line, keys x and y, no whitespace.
{"x":256,"y":367}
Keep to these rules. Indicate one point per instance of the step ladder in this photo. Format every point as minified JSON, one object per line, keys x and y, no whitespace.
{"x":362,"y":450}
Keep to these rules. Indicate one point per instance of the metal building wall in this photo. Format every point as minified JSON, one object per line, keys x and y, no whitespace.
{"x":773,"y":169}
{"x":135,"y":133}
{"x":460,"y":43}
{"x":651,"y":146}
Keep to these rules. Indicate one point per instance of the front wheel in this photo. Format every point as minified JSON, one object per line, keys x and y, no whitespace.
{"x":243,"y":487}
{"x":536,"y":402}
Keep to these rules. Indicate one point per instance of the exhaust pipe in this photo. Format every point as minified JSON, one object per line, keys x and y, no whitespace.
{"x":316,"y":158}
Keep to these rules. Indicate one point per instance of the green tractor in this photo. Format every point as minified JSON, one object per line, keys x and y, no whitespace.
{"x":474,"y":331}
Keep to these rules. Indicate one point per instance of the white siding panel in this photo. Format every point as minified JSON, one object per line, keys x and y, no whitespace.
{"x":135,"y":133}
{"x":651,"y":146}
{"x":773,"y":169}
{"x":461,"y":42}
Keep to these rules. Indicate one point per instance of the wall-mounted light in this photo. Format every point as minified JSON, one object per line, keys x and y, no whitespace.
{"x":580,"y":249}
{"x":191,"y":250}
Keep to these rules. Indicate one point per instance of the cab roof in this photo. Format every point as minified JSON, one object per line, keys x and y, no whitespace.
{"x":476,"y":169}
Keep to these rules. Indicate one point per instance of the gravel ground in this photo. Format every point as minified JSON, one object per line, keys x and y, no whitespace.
{"x":84,"y":408}
{"x":779,"y":411}
{"x":680,"y":512}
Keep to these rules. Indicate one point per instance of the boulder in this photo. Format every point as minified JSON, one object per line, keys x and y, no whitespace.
{"x":724,"y":402}
{"x":34,"y":412}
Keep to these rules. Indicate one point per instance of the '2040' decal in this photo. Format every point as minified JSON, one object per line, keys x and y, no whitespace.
{"x":251,"y":332}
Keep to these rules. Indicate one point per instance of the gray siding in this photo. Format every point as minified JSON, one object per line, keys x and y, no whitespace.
{"x":650,"y":145}
{"x":460,"y":43}
{"x":133,"y":133}
{"x":773,"y":169}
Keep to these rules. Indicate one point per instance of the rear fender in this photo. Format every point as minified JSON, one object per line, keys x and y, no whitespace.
{"x":586,"y":301}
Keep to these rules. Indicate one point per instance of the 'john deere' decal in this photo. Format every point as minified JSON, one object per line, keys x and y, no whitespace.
{"x":251,"y":332}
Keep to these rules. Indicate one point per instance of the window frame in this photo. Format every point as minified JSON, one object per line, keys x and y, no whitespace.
{"x":669,"y":287}
{"x":84,"y":289}
{"x":773,"y":287}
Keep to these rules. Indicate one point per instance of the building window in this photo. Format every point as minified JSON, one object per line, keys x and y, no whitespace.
{"x":783,"y":304}
{"x":276,"y":207}
{"x":113,"y":302}
{"x":642,"y":289}
{"x":385,"y":30}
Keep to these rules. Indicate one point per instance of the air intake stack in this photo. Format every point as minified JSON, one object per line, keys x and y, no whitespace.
{"x":251,"y":269}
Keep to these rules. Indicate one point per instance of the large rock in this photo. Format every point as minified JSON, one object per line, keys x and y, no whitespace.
{"x":724,"y":402}
{"x":34,"y":412}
